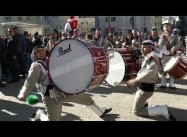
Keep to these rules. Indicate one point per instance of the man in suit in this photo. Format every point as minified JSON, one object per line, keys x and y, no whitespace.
{"x":145,"y":80}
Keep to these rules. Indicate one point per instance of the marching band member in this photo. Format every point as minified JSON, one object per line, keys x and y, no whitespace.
{"x":145,"y":80}
{"x":72,"y":24}
{"x":99,"y":40}
{"x":76,"y":34}
{"x":168,"y":44}
{"x":51,"y":96}
{"x":154,"y":37}
{"x":52,"y":41}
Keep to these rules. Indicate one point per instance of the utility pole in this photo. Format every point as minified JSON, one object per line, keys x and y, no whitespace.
{"x":132,"y":22}
{"x":109,"y":24}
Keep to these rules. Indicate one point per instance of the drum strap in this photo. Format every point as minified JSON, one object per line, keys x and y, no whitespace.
{"x":41,"y":62}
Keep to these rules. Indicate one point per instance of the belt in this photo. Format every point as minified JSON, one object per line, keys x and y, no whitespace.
{"x":148,"y":87}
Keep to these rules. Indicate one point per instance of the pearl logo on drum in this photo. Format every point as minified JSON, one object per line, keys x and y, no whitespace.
{"x":62,"y":51}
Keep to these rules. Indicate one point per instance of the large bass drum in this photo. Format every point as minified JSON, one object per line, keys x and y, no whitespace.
{"x":76,"y":65}
{"x":122,"y":66}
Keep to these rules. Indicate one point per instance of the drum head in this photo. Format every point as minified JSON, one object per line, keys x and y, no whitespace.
{"x":116,"y":68}
{"x":171,"y":63}
{"x":71,"y":66}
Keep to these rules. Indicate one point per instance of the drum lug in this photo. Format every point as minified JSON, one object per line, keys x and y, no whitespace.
{"x":88,"y":89}
{"x":116,"y":83}
{"x":95,"y":60}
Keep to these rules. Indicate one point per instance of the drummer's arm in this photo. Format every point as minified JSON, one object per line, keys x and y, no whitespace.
{"x":148,"y":75}
{"x":33,"y":77}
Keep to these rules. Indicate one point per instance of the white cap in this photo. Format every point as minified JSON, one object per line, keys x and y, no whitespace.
{"x":167,"y":22}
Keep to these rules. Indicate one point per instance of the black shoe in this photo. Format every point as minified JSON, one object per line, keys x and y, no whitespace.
{"x":106,"y":111}
{"x":146,"y":105}
{"x":2,"y":85}
{"x":173,"y":88}
{"x":162,"y":87}
{"x":12,"y":81}
{"x":24,"y":76}
{"x":35,"y":118}
{"x":171,"y":116}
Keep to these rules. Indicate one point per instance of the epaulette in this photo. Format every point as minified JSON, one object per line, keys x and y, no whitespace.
{"x":150,"y":60}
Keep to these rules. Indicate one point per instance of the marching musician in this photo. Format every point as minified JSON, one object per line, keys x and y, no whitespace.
{"x":99,"y":39}
{"x":145,"y":81}
{"x":76,"y":34}
{"x":51,"y":96}
{"x":72,"y":24}
{"x":168,"y":44}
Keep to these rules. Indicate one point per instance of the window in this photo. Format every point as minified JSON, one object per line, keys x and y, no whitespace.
{"x":155,"y":24}
{"x":106,"y":19}
{"x":54,"y":16}
{"x":81,"y":23}
{"x":7,"y":18}
{"x":46,"y":17}
{"x":37,"y":17}
{"x":19,"y":18}
{"x":113,"y":19}
{"x":28,"y":17}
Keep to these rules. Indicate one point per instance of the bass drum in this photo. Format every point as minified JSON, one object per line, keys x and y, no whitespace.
{"x":116,"y":68}
{"x":176,"y":67}
{"x":122,"y":66}
{"x":76,"y":66}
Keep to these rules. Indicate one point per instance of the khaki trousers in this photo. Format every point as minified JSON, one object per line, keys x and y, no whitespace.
{"x":54,"y":106}
{"x":141,"y":98}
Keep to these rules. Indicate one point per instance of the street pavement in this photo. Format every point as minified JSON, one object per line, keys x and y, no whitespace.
{"x":120,"y":98}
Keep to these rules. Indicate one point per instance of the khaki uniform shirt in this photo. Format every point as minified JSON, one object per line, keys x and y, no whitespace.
{"x":149,"y":71}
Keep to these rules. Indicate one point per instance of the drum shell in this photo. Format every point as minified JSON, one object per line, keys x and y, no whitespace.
{"x":179,"y":69}
{"x":131,"y":66}
{"x":100,"y":66}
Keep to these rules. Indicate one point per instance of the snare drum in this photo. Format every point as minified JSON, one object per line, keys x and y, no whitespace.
{"x":76,"y":65}
{"x":122,"y":66}
{"x":176,"y":67}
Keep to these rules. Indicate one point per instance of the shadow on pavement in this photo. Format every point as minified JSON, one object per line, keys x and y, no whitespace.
{"x":70,"y":117}
{"x":68,"y":104}
{"x":178,"y":91}
{"x":180,"y":114}
{"x":14,"y":88}
{"x":110,"y":117}
{"x":12,"y":111}
{"x":108,"y":90}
